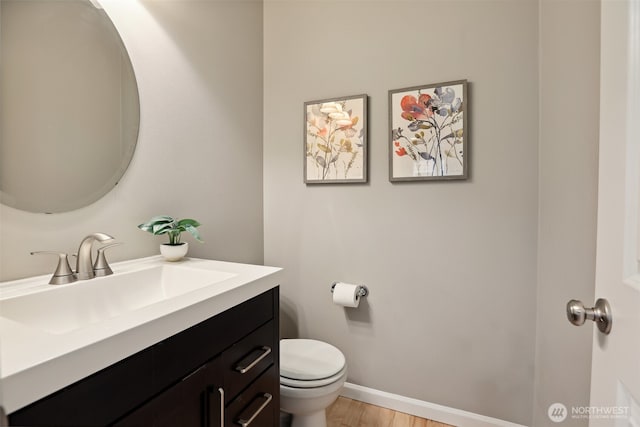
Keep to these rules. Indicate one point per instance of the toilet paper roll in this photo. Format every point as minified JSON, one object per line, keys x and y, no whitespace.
{"x":346,"y":295}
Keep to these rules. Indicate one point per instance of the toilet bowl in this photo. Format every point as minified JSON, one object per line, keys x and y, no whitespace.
{"x":312,"y":374}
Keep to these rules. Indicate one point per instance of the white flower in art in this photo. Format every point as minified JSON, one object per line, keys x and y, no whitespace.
{"x":343,"y":119}
{"x":330,"y":107}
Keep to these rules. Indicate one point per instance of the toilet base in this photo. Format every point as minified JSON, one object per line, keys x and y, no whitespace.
{"x":315,"y":419}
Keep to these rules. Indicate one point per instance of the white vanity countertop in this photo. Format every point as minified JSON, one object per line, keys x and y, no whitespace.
{"x":37,"y":361}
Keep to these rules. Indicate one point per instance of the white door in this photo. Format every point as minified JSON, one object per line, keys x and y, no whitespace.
{"x":615,"y":377}
{"x":3,"y":417}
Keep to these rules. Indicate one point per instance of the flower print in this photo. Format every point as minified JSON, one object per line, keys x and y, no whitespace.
{"x":444,"y":102}
{"x":415,"y":109}
{"x":330,"y":107}
{"x":432,"y":122}
{"x":447,"y":96}
{"x":415,"y":125}
{"x":336,"y":148}
{"x":425,"y":101}
{"x":455,"y":106}
{"x":336,"y":113}
{"x":342,"y":120}
{"x":345,"y":123}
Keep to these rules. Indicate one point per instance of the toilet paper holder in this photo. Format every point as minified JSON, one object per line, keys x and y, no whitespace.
{"x":363,"y":291}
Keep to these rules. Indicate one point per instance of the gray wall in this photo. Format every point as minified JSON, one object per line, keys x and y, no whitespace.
{"x":450,"y":266}
{"x":568,"y":153}
{"x":200,"y":147}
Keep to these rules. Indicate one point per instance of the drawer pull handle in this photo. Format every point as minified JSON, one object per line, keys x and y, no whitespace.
{"x":243,"y":368}
{"x":211,"y":392}
{"x":221,"y":391}
{"x":245,"y":421}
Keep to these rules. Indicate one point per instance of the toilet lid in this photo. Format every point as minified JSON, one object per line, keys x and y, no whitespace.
{"x":303,"y":359}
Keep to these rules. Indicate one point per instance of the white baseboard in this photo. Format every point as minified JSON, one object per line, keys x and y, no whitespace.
{"x":422,"y":409}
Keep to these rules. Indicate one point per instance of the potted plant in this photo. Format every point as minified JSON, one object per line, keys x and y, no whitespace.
{"x":175,"y":250}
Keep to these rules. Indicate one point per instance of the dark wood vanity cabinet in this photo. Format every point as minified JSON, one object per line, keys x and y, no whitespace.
{"x":223,"y":371}
{"x":193,"y":402}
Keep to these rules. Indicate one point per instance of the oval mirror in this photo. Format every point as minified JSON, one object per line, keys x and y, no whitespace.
{"x":70,"y":111}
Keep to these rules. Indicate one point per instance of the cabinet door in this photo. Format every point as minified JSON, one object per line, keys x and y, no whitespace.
{"x":193,"y":402}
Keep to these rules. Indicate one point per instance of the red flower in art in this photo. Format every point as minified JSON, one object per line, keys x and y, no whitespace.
{"x":424,"y":101}
{"x":416,"y":109}
{"x":401,"y":152}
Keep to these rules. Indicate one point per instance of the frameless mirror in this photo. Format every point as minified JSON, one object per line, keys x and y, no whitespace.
{"x":70,"y":112}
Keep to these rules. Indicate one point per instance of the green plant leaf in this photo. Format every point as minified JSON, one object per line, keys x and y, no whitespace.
{"x":154,"y":222}
{"x":146,"y":227}
{"x":162,"y":228}
{"x":164,"y":224}
{"x":194,"y":232}
{"x":188,"y":221}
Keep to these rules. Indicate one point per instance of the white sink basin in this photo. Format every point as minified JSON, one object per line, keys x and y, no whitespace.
{"x":69,"y":307}
{"x":53,"y":336}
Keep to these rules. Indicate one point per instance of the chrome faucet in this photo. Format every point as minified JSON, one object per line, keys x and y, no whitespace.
{"x":84,"y":263}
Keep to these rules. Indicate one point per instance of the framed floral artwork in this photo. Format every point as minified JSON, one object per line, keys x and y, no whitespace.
{"x":428,"y":132}
{"x":335,"y":140}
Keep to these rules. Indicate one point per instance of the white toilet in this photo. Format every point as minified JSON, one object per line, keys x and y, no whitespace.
{"x":312,"y":374}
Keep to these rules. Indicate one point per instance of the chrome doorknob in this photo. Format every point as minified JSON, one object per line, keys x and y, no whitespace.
{"x":600,"y":313}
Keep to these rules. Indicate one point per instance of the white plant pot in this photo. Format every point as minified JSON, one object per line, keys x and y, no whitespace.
{"x":174,"y":252}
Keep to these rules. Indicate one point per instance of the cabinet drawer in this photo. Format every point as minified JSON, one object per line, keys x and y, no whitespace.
{"x":247,"y":359}
{"x":175,"y":357}
{"x":258,"y":406}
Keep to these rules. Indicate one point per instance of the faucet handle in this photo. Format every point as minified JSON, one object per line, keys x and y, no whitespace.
{"x":101,"y":266}
{"x":63,"y":273}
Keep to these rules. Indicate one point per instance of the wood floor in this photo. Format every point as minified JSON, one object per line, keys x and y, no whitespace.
{"x":352,"y":413}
